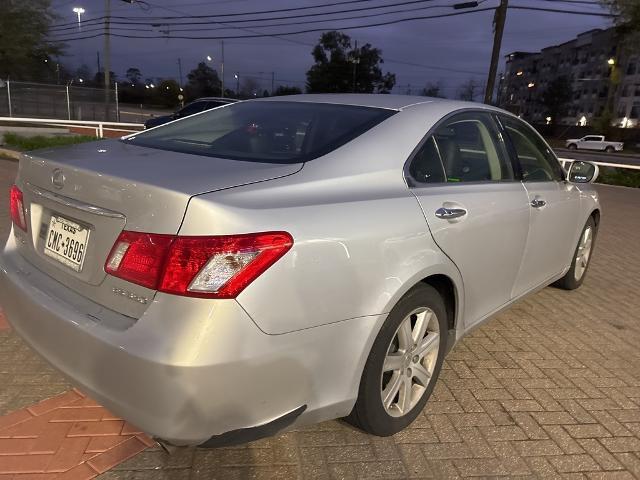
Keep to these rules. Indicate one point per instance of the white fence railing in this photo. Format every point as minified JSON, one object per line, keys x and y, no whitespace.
{"x":566,"y":162}
{"x":98,"y":127}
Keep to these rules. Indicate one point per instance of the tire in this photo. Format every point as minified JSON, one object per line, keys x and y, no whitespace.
{"x":576,"y":273}
{"x":572,"y":146}
{"x":421,"y":305}
{"x":609,"y":149}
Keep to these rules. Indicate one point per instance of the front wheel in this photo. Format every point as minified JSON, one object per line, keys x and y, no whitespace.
{"x":581,"y":258}
{"x":403,"y":364}
{"x":609,"y":149}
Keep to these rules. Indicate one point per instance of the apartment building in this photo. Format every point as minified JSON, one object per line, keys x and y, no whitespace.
{"x":600,"y":71}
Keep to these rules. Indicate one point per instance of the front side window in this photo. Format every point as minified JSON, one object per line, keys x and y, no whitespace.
{"x":463,"y":149}
{"x":272,"y":132}
{"x":537,"y":161}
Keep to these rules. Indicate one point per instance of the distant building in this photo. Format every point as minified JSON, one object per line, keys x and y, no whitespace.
{"x":601,"y":73}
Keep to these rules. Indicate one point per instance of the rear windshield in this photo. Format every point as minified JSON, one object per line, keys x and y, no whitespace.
{"x":273,"y":132}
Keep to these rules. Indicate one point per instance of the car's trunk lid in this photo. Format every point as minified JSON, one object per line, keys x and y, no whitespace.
{"x":105,"y":187}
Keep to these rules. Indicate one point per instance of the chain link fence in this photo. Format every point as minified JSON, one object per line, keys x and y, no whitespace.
{"x":64,"y":102}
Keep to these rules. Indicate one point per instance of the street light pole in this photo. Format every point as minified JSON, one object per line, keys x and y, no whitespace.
{"x":499,"y":19}
{"x":79,"y":11}
{"x":237,"y":75}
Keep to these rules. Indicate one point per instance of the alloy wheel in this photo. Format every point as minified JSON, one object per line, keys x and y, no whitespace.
{"x":584,"y":253}
{"x":410,"y":361}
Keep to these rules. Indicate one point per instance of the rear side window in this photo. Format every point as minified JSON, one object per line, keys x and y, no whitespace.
{"x":192,"y":108}
{"x":273,"y":132}
{"x":537,"y":161}
{"x":463,"y":149}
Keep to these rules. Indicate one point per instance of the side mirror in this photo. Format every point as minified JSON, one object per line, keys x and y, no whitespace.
{"x":582,"y":172}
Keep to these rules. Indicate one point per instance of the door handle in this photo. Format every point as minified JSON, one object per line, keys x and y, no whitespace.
{"x":538,"y":203}
{"x":450,"y":213}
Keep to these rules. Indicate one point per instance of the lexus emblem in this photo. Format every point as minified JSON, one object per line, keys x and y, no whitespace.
{"x":58,"y":178}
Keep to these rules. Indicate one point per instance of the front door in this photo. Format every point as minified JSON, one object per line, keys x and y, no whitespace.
{"x":554,"y":208}
{"x":477,"y":212}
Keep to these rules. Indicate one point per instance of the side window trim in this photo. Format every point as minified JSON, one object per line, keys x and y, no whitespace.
{"x":510,"y":150}
{"x":413,"y":183}
{"x":534,"y":132}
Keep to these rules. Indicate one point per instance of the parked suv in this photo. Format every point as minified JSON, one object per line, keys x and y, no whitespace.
{"x":276,"y":262}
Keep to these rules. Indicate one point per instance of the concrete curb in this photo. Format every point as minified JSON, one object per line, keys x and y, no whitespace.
{"x":10,"y":154}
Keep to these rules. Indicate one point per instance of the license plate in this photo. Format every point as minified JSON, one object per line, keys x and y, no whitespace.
{"x":66,"y":242}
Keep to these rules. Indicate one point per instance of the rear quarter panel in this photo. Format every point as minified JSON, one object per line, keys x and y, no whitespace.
{"x":360,"y":237}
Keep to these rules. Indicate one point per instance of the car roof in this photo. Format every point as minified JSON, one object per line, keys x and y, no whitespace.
{"x":378,"y":100}
{"x":215,"y":99}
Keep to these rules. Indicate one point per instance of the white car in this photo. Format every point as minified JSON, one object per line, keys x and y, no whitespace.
{"x":594,"y":142}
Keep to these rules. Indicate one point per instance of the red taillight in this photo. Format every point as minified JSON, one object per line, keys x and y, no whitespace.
{"x":209,"y":267}
{"x":17,"y":208}
{"x":139,"y":257}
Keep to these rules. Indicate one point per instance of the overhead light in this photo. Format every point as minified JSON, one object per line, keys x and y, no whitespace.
{"x":519,"y":73}
{"x":209,"y":58}
{"x":611,"y":61}
{"x":78,"y":10}
{"x":531,"y":85}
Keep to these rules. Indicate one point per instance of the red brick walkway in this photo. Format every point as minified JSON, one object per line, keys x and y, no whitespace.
{"x":65,"y":437}
{"x":4,"y":325}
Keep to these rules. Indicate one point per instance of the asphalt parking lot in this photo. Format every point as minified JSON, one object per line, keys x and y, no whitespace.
{"x":548,"y":389}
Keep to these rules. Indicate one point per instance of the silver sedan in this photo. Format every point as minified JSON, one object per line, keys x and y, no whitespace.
{"x":277,"y":262}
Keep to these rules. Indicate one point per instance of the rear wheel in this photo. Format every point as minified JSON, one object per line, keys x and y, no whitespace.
{"x":403,"y":364}
{"x":581,"y":258}
{"x":572,"y":146}
{"x":609,"y":149}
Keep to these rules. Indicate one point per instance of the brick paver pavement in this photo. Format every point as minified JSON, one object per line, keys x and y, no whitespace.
{"x":550,"y":388}
{"x":69,"y":434}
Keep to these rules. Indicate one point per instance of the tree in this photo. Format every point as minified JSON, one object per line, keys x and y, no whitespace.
{"x":167,"y":93}
{"x":287,"y":90}
{"x":628,"y":12}
{"x":556,"y":98}
{"x":98,"y":79}
{"x":469,"y":90}
{"x":341,"y":67}
{"x":83,"y":72}
{"x":133,"y":75}
{"x":203,"y":81}
{"x":249,"y":87}
{"x":433,"y":90}
{"x":26,"y":53}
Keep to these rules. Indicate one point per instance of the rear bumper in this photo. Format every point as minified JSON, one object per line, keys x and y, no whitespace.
{"x":188,"y":369}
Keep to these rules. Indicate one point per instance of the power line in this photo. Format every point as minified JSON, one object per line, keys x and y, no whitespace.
{"x":352,"y":27}
{"x":557,"y":10}
{"x":260,"y":12}
{"x":304,"y":22}
{"x":128,"y":21}
{"x":298,"y":32}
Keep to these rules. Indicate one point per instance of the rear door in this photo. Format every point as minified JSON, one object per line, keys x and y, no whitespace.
{"x":477,"y":211}
{"x":593,"y":142}
{"x":553,"y":203}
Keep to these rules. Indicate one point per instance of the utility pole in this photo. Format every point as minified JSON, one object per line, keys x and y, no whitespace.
{"x":355,"y":60}
{"x":107,"y":55}
{"x":180,"y":70}
{"x":222,"y":71}
{"x":273,"y":82}
{"x":498,"y":22}
{"x":98,"y":56}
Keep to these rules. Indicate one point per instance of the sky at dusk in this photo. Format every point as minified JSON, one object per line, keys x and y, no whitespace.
{"x":461,"y":43}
